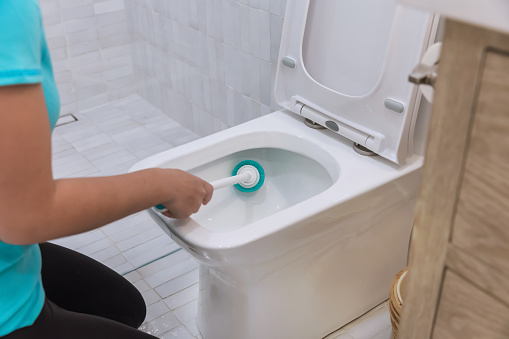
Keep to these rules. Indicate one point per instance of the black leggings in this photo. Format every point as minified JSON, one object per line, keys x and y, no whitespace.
{"x":84,"y":299}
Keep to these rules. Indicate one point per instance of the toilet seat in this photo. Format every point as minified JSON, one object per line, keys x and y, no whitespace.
{"x":322,"y":79}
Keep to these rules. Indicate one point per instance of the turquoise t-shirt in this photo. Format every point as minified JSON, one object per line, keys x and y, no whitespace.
{"x":24,"y":59}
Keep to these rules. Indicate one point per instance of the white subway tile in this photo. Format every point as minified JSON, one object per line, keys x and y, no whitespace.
{"x":254,"y":32}
{"x":74,"y":13}
{"x":245,"y":28}
{"x":84,"y":59}
{"x":82,"y":36}
{"x":108,"y":6}
{"x":265,"y":86}
{"x":254,"y":3}
{"x":113,"y":30}
{"x":275,"y":7}
{"x":79,"y":25}
{"x":74,"y":3}
{"x":231,"y":23}
{"x":116,"y":51}
{"x":265,"y":4}
{"x":118,"y":72}
{"x":83,"y":48}
{"x":264,"y":19}
{"x":107,"y":19}
{"x":115,"y":40}
{"x":52,"y":31}
{"x":276,"y":27}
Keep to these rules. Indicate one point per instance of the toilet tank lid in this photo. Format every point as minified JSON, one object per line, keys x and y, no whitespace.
{"x":345,"y":64}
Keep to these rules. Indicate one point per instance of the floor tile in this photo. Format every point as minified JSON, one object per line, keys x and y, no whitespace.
{"x":132,"y":231}
{"x":172,"y":272}
{"x":151,"y":250}
{"x":372,"y":325}
{"x":161,"y":325}
{"x":183,"y":297}
{"x":343,"y":336}
{"x":105,"y":254}
{"x":192,"y":327}
{"x":94,"y":247}
{"x":385,"y":334}
{"x":156,"y":310}
{"x":133,"y":277}
{"x":175,"y":285}
{"x":178,"y":333}
{"x":150,"y":297}
{"x":187,"y":312}
{"x":158,"y":267}
{"x":115,"y":262}
{"x":142,"y":286}
{"x":139,"y":239}
{"x":124,"y":268}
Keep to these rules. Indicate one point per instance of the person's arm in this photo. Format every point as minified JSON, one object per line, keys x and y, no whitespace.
{"x":35,"y":208}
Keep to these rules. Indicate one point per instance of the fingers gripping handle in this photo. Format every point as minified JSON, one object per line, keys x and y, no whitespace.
{"x":231,"y":180}
{"x":160,"y":208}
{"x":243,"y":177}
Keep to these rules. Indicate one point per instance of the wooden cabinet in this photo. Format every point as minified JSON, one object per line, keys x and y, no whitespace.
{"x":459,"y":260}
{"x":465,"y":311}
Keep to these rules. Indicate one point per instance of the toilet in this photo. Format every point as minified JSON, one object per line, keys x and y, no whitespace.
{"x":319,"y":244}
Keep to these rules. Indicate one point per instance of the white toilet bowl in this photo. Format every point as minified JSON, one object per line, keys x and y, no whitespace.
{"x":319,"y":244}
{"x":315,"y":247}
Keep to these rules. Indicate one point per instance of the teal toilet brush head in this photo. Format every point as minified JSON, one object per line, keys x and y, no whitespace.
{"x":258,"y":167}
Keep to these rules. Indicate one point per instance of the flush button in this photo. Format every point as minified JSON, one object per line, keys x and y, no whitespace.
{"x":332,"y":126}
{"x":394,"y":105}
{"x":288,"y":62}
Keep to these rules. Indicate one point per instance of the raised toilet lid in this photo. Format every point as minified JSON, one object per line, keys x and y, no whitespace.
{"x":345,"y":64}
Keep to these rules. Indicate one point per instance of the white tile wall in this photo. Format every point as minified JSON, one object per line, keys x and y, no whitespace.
{"x":90,"y":49}
{"x":209,"y":64}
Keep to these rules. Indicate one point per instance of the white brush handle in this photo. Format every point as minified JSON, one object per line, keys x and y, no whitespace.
{"x":246,"y":176}
{"x":230,"y":180}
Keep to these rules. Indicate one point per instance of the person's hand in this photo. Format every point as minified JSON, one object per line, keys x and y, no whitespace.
{"x":186,"y":194}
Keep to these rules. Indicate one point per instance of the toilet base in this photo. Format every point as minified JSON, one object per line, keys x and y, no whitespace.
{"x":317,"y":287}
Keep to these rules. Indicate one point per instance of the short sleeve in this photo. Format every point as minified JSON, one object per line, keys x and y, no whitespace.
{"x":20,"y":42}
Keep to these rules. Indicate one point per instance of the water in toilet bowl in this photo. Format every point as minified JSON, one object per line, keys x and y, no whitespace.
{"x":289,"y":179}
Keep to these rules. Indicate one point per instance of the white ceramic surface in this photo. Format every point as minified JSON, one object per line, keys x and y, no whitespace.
{"x":290,"y":178}
{"x":350,"y":58}
{"x":325,"y":260}
{"x":492,"y":14}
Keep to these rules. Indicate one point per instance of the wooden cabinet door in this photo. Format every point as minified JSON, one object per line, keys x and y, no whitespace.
{"x":462,"y":221}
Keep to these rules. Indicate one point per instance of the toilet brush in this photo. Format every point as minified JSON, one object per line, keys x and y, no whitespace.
{"x":247,"y":176}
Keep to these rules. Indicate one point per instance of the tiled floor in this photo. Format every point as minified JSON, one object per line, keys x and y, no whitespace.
{"x":375,"y":324}
{"x":109,"y":140}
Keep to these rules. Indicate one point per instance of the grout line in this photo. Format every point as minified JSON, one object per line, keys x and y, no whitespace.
{"x":66,"y":119}
{"x":150,"y":262}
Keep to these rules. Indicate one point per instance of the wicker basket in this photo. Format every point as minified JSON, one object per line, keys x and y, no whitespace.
{"x":396,"y":300}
